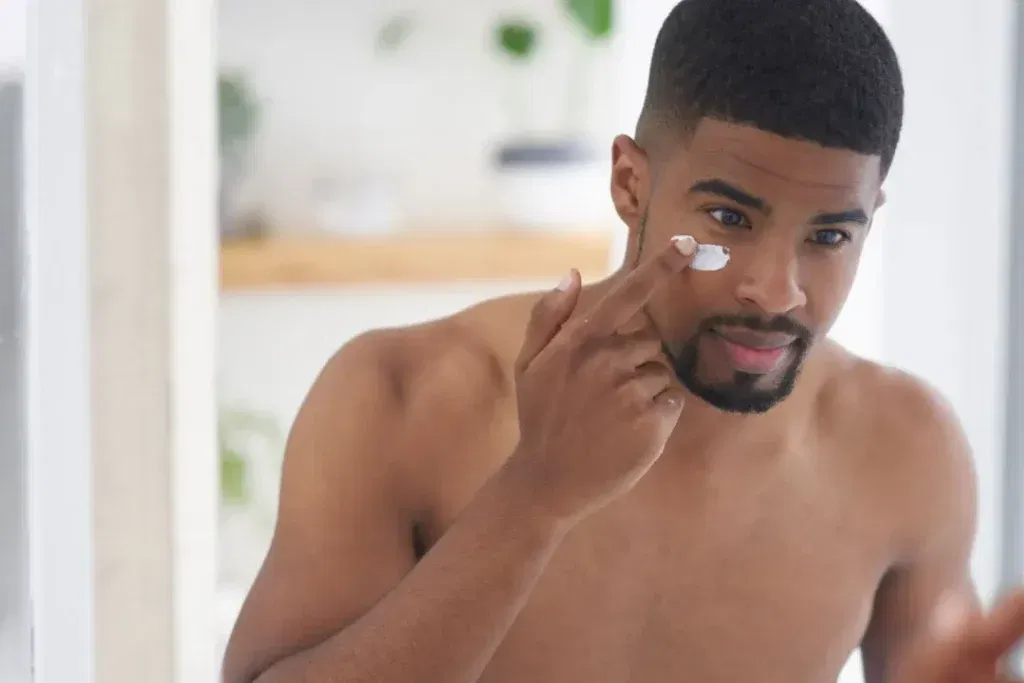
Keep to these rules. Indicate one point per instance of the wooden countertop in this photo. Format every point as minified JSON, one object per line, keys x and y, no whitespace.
{"x":301,"y":262}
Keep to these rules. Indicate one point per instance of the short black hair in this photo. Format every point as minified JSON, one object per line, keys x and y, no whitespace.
{"x":816,"y":70}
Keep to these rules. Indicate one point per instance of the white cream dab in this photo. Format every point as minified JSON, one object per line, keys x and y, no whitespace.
{"x":708,"y":256}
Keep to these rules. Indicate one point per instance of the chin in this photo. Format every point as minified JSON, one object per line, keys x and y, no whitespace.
{"x":742,"y":395}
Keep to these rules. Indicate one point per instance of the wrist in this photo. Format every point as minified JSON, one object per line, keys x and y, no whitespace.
{"x":519,"y":498}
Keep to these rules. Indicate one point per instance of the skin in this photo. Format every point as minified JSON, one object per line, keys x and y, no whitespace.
{"x":697,"y":545}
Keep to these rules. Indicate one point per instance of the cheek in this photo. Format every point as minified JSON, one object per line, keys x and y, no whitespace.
{"x":828,"y":280}
{"x":677,"y":309}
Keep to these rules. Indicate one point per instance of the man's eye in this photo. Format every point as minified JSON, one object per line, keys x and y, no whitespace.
{"x":729,"y":218}
{"x":830,"y":238}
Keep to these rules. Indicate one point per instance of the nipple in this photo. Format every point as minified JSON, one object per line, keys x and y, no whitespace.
{"x":708,"y":256}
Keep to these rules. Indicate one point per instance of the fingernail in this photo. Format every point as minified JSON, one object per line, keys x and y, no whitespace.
{"x":685,"y":244}
{"x":566,"y":283}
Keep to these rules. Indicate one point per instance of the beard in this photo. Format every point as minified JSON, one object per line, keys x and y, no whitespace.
{"x":744,"y":392}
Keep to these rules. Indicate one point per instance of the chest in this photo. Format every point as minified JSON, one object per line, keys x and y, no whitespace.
{"x":711,"y":578}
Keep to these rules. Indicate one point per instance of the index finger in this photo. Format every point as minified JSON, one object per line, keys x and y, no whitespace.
{"x":636,"y":288}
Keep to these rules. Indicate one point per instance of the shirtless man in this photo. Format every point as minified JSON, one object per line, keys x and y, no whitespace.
{"x":667,"y":476}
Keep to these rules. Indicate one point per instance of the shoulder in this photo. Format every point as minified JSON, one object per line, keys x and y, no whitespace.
{"x":427,"y":371}
{"x":451,"y":363}
{"x":414,"y":394}
{"x":908,"y":416}
{"x":911,"y":443}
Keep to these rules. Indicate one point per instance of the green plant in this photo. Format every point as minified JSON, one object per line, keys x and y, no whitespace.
{"x":594,"y":17}
{"x":394,"y":32}
{"x":518,"y":39}
{"x":235,"y":431}
{"x":238,"y":114}
{"x":594,"y":20}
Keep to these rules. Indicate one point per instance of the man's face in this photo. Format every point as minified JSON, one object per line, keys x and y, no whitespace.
{"x":794,"y":217}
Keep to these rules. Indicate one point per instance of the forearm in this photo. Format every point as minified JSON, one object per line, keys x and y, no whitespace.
{"x":445,"y":620}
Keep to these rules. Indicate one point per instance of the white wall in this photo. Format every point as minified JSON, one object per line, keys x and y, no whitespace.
{"x":424,"y":119}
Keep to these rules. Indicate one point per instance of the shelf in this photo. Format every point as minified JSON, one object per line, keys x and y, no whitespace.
{"x":307,"y":262}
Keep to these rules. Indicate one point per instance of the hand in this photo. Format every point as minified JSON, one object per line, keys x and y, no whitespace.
{"x":597,"y":397}
{"x":968,"y":647}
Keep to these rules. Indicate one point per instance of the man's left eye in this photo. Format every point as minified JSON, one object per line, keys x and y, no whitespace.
{"x":830,"y":238}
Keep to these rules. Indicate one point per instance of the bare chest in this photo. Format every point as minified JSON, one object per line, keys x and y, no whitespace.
{"x":717,"y":580}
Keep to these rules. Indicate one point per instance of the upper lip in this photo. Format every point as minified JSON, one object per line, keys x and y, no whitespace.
{"x":763,"y":341}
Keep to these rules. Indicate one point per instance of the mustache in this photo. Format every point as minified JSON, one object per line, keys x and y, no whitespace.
{"x":781,"y":323}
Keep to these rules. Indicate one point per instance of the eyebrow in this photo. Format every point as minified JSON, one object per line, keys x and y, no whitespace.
{"x":721,"y":188}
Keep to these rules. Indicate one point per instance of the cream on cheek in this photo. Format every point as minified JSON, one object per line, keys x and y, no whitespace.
{"x":708,"y":256}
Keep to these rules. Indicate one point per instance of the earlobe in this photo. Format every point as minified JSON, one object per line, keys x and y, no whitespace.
{"x":629,"y":185}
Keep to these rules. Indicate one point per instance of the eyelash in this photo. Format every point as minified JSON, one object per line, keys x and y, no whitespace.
{"x":844,"y":236}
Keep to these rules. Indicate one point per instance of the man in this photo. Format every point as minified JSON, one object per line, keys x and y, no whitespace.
{"x":667,"y":476}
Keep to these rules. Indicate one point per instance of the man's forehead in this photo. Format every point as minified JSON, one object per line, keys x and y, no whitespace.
{"x":747,"y":154}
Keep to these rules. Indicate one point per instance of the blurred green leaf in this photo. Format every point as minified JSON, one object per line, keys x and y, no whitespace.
{"x":593,"y":16}
{"x":237,"y":111}
{"x":393,"y":33}
{"x":517,"y":38}
{"x":234,"y":487}
{"x":234,"y":429}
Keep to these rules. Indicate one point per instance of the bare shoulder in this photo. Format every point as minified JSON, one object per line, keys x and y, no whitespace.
{"x":457,"y":365}
{"x":903,"y":412}
{"x":909,"y":439}
{"x":431,"y":387}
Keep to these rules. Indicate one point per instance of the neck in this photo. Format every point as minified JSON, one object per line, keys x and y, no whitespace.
{"x":702,"y":425}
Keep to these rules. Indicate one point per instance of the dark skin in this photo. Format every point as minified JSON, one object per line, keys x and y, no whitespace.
{"x":590,"y":518}
{"x":794,"y":218}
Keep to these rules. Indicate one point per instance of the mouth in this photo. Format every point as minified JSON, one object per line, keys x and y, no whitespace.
{"x":756,"y":353}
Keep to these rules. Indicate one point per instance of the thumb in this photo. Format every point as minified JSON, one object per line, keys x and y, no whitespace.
{"x":549,"y":314}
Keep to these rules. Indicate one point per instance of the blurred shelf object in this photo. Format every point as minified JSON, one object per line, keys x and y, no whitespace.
{"x":300,"y":262}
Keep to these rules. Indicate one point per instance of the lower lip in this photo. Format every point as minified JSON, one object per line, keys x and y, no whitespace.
{"x":753,"y":361}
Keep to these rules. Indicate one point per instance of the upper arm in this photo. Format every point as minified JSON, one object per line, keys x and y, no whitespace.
{"x":343,"y":534}
{"x":940,"y":502}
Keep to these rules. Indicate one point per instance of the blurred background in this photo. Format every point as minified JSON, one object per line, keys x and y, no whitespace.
{"x":200,"y":202}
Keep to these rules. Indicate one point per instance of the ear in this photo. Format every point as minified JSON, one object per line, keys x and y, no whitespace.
{"x":630,"y":181}
{"x":880,"y":202}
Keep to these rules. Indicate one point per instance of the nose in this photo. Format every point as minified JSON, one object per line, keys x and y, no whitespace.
{"x":771,"y":281}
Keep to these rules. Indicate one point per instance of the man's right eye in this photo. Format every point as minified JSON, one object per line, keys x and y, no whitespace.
{"x":729,"y":218}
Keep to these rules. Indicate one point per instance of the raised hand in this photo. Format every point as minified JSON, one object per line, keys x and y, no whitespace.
{"x":597,"y":398}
